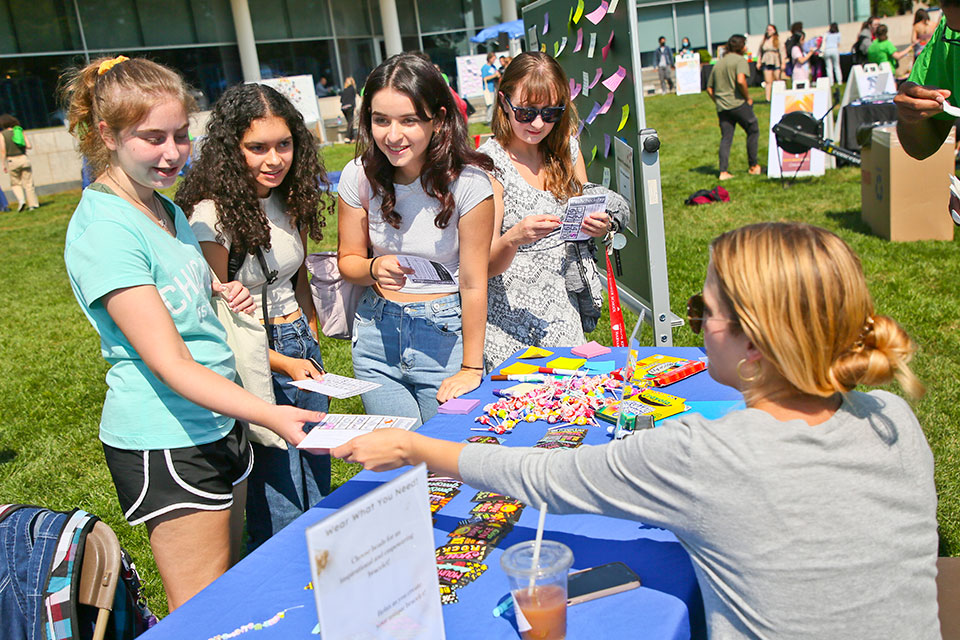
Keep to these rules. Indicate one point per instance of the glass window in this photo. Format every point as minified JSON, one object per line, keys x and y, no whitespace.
{"x":654,"y":22}
{"x":406,"y":15}
{"x":356,"y":58}
{"x":441,"y":15}
{"x":757,"y":16}
{"x":166,"y":22}
{"x":309,"y":18}
{"x":213,"y":20}
{"x":781,"y":18}
{"x":269,"y":19}
{"x":110,"y":24}
{"x":304,"y":57}
{"x":690,"y":24}
{"x":39,"y":25}
{"x":351,"y":18}
{"x":207,"y":69}
{"x":410,"y":43}
{"x":443,"y":50}
{"x":811,"y":13}
{"x":28,"y":89}
{"x":486,"y":13}
{"x":727,"y":18}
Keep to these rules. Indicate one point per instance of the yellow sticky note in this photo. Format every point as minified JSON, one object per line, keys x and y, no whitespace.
{"x":535,"y":352}
{"x":578,"y":13}
{"x":623,"y":118}
{"x":519,"y":368}
{"x":543,"y":47}
{"x":566,"y":363}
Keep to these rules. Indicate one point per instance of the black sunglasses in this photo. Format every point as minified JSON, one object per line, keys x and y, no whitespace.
{"x":695,"y":311}
{"x":529,"y":114}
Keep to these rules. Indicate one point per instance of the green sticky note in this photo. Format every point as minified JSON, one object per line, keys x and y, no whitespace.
{"x":593,"y":155}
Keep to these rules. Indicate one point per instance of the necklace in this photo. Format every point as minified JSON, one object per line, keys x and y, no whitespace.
{"x":150,"y":211}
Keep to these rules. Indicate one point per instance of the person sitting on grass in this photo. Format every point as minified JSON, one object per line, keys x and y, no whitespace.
{"x":727,"y":87}
{"x":809,"y":514}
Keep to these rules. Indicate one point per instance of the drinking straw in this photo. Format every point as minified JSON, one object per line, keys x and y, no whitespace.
{"x":536,"y":547}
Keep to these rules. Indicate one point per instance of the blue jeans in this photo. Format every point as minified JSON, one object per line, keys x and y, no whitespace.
{"x":285,"y":483}
{"x":410,"y":349}
{"x":28,"y":541}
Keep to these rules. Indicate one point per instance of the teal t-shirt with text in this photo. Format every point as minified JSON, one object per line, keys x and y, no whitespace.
{"x":111,"y":245}
{"x":938,"y":65}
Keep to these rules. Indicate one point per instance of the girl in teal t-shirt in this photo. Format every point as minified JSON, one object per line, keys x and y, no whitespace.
{"x":177,"y":456}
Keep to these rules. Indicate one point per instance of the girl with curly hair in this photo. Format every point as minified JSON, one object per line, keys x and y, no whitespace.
{"x":177,"y":456}
{"x":256,"y":187}
{"x":417,"y":190}
{"x":538,"y":167}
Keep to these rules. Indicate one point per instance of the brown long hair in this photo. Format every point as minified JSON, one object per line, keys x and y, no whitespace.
{"x":448,"y":151}
{"x":539,"y":78}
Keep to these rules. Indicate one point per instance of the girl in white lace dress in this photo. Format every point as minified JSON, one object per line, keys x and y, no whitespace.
{"x":538,"y":167}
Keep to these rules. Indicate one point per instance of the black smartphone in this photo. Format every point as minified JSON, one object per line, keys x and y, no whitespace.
{"x":596,"y":582}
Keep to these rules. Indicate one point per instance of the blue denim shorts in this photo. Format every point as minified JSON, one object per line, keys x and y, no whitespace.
{"x":410,"y":349}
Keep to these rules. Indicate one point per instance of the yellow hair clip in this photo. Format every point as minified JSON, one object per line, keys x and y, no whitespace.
{"x":106,"y":65}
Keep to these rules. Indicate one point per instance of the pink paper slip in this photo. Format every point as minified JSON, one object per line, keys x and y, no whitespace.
{"x":458,"y":406}
{"x":590,"y":350}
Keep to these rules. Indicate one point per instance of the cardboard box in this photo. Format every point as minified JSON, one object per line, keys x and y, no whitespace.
{"x":903,"y":199}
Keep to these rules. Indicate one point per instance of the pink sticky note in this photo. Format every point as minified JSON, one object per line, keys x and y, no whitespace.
{"x":458,"y":406}
{"x":607,"y":103}
{"x":597,"y":77}
{"x":590,"y":350}
{"x":606,"y":47}
{"x":579,"y":40}
{"x":572,"y":85}
{"x":576,"y":90}
{"x":615,"y":79}
{"x":546,"y":23}
{"x":593,"y":113}
{"x":597,"y":14}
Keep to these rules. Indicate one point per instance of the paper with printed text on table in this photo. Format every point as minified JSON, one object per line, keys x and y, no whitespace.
{"x":373,"y":565}
{"x":339,"y":428}
{"x":335,"y":386}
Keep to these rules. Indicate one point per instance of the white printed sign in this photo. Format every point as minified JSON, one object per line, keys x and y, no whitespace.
{"x":373,"y":566}
{"x":688,"y":74}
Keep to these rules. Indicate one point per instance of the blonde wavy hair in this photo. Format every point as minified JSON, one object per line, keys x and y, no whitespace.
{"x":539,"y":79}
{"x":799,"y":294}
{"x":119,"y":92}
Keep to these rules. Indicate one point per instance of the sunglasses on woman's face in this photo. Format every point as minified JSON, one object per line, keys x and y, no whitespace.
{"x":529,"y":114}
{"x":696,"y":311}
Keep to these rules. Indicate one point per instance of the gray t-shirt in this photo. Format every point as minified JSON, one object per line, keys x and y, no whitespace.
{"x":794,"y":531}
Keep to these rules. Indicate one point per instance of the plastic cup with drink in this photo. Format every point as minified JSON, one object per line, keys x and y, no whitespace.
{"x":539,"y":587}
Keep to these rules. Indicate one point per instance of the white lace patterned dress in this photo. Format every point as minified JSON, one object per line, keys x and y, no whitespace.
{"x":528,"y":304}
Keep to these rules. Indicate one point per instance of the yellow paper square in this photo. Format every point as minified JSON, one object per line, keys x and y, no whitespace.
{"x":535,"y":352}
{"x":566,"y":363}
{"x":519,"y":368}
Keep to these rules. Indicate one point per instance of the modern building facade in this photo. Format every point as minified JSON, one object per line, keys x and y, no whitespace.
{"x":39,"y":39}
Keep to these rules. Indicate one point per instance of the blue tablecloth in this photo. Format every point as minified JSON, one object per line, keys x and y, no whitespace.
{"x":667,"y":606}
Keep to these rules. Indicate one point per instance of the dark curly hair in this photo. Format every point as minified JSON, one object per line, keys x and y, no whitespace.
{"x":221,"y":173}
{"x":448,"y":151}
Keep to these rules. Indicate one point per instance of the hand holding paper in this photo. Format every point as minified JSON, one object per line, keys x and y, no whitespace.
{"x":389,"y":273}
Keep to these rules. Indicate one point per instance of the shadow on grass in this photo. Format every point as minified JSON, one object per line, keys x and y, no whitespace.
{"x":707,"y":170}
{"x":7,"y":455}
{"x":851,"y":220}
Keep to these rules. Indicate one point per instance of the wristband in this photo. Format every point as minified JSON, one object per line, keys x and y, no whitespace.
{"x":463,"y":366}
{"x":371,"y":269}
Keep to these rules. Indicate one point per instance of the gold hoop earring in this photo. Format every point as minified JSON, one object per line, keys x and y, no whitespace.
{"x":744,"y":378}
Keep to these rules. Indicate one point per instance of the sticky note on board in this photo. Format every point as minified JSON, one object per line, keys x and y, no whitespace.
{"x":546,"y":23}
{"x":597,"y":14}
{"x":592,"y":47}
{"x":579,"y":44}
{"x":593,"y":154}
{"x":543,"y":47}
{"x":606,"y":145}
{"x":586,"y":84}
{"x":605,"y":181}
{"x":606,"y":48}
{"x":593,"y":113}
{"x":580,"y":128}
{"x":535,"y":352}
{"x":623,"y":118}
{"x":519,"y":368}
{"x":578,"y":12}
{"x":563,"y":45}
{"x":566,"y":363}
{"x":597,"y":76}
{"x":606,"y":104}
{"x":590,"y":349}
{"x":613,"y":6}
{"x":615,"y":79}
{"x":597,"y":367}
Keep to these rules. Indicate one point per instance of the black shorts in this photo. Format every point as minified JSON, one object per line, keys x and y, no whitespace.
{"x":770,"y":67}
{"x":154,"y":482}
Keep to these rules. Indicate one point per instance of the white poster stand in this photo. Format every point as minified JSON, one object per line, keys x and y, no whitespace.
{"x":816,"y":101}
{"x":301,"y":92}
{"x":469,"y":80}
{"x":688,"y":74}
{"x":865,"y":81}
{"x":373,"y":565}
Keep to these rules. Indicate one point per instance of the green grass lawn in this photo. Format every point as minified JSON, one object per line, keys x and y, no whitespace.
{"x":52,"y":375}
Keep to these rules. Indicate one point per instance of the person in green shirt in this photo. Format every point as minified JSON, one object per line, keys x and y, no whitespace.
{"x":922,"y":125}
{"x":882,"y":50}
{"x":727,"y":88}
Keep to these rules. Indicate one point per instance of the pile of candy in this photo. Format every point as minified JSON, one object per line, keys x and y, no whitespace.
{"x":568,"y":400}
